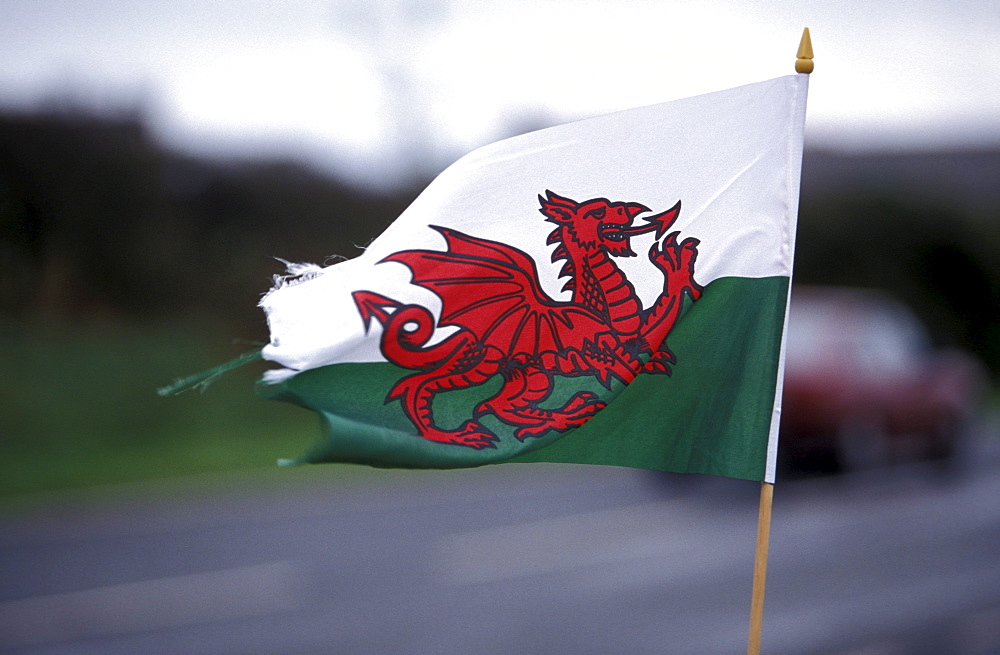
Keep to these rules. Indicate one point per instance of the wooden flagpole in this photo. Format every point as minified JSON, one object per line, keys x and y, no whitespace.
{"x":760,"y":568}
{"x":804,"y":65}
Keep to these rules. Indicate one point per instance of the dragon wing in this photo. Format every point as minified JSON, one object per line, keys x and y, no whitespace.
{"x":492,"y":289}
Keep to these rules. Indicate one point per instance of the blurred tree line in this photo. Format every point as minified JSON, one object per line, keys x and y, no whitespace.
{"x":99,"y":221}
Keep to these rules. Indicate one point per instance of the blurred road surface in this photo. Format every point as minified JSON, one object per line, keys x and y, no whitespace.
{"x":512,"y":559}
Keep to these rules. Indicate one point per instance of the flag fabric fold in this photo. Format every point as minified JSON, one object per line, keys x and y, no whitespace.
{"x":609,"y":291}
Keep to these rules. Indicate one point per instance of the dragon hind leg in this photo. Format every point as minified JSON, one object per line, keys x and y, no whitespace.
{"x":517,"y":404}
{"x":471,"y":434}
{"x":416,"y":393}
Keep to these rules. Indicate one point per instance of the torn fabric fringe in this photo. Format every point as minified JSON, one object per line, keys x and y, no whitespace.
{"x":201,"y":380}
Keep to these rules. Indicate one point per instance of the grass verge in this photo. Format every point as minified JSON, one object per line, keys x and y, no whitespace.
{"x":78,"y":408}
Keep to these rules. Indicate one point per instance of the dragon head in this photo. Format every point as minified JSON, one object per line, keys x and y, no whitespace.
{"x":600,"y":223}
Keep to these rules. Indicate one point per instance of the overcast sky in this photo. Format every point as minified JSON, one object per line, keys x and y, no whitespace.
{"x":360,"y":83}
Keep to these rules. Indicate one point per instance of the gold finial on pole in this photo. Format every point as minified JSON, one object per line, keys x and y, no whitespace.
{"x":804,"y":63}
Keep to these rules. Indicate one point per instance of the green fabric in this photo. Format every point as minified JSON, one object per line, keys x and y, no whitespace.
{"x":711,"y":416}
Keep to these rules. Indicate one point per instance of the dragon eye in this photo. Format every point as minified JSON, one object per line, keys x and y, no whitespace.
{"x":597,"y":213}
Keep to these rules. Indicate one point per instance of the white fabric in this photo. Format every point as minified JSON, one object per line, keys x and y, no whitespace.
{"x":732,"y":157}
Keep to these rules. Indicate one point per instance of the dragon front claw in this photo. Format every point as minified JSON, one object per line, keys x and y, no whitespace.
{"x":676,"y":261}
{"x":660,"y":363}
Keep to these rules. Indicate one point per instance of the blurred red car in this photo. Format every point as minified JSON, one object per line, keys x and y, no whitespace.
{"x":863,"y":386}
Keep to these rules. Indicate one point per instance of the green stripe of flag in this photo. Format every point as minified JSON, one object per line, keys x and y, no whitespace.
{"x":711,"y":416}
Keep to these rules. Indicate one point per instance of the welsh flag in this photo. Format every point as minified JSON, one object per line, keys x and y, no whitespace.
{"x":609,"y":291}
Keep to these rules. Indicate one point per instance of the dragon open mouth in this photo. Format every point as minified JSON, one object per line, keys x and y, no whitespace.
{"x":614,"y":232}
{"x":658,"y":223}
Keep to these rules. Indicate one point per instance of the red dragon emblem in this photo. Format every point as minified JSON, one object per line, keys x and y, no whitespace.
{"x":507,"y":325}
